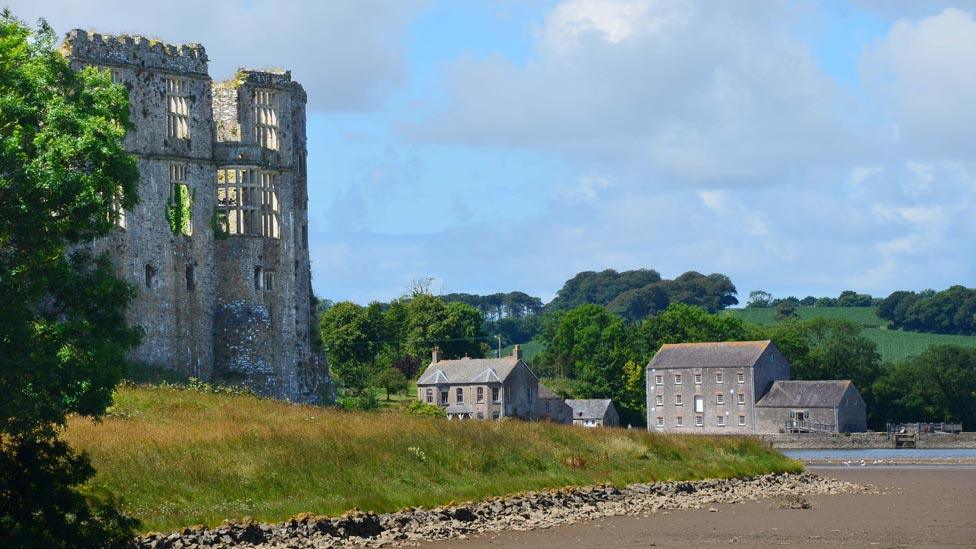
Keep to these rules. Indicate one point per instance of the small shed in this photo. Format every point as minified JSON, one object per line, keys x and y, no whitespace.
{"x":594,"y":412}
{"x":833,"y":406}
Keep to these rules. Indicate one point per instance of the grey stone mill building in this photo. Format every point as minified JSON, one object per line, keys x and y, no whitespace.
{"x":218,"y":243}
{"x":743,"y":387}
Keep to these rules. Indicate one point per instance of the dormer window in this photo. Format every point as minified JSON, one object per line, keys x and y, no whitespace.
{"x":266,"y":119}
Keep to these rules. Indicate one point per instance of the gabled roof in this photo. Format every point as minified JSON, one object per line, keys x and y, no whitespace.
{"x":806,"y":394}
{"x":545,"y":392}
{"x":732,"y":354}
{"x":468,"y":370}
{"x":593,"y":408}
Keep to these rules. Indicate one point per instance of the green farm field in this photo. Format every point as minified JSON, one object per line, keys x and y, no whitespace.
{"x":892,"y":344}
{"x":181,"y":457}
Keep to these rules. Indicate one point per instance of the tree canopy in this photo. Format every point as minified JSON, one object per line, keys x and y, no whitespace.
{"x":64,"y":175}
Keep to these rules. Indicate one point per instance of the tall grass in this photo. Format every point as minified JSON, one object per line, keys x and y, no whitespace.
{"x":181,"y":457}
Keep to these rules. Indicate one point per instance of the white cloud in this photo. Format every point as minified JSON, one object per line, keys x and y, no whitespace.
{"x":346,"y":53}
{"x":672,"y":93}
{"x":924,"y":71}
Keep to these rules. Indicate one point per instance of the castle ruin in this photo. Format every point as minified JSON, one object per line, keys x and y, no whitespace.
{"x":218,"y":243}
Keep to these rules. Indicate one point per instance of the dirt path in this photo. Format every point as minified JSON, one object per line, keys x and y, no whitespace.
{"x":920,"y":507}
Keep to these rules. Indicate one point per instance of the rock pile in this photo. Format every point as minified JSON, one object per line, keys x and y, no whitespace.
{"x":519,"y":512}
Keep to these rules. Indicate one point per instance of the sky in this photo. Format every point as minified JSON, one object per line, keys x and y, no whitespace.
{"x":802,"y":148}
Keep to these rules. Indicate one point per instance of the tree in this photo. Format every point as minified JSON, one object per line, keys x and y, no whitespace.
{"x":937,"y":385}
{"x":391,"y":380}
{"x":759,"y":298}
{"x":426,"y":321}
{"x":353,"y":337}
{"x":785,"y":310}
{"x":587,"y":344}
{"x":64,"y":175}
{"x":637,"y":304}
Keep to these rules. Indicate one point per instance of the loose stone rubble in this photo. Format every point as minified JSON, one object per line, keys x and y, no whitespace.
{"x":526,"y":511}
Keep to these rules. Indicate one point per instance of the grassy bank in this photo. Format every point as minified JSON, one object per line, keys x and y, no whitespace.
{"x":892,"y":344}
{"x":182,"y":457}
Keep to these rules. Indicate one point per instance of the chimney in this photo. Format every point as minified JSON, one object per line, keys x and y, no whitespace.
{"x":517,"y":352}
{"x":435,"y":355}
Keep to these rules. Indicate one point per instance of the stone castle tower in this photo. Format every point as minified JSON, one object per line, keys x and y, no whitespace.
{"x":218,"y":244}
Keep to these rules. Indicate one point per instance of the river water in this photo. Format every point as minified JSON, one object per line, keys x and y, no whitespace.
{"x":885,"y":454}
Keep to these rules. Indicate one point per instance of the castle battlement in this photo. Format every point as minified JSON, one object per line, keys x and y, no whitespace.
{"x":135,"y":50}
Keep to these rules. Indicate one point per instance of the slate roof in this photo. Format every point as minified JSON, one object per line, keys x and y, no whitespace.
{"x":806,"y":394}
{"x":732,"y":354}
{"x":545,"y":392}
{"x":468,"y":370}
{"x":459,"y":409}
{"x":593,"y":408}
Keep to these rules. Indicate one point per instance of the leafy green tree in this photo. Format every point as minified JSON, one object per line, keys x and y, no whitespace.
{"x":63,"y":335}
{"x":759,"y":298}
{"x":425,"y":321}
{"x":637,"y":304}
{"x":353,"y":337}
{"x":391,"y":380}
{"x":785,"y":310}
{"x":937,"y":385}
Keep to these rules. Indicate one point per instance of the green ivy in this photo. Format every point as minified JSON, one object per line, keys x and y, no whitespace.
{"x":179,"y":209}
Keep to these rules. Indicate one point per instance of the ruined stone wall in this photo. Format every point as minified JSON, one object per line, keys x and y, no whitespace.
{"x":198,"y":303}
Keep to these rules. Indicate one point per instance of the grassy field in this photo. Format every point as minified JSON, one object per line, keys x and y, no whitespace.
{"x":893,"y":344}
{"x":180,"y":457}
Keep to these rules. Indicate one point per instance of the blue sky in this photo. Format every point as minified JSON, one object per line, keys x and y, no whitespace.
{"x":799,"y":147}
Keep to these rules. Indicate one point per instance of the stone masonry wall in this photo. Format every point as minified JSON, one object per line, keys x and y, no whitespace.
{"x":197,"y":300}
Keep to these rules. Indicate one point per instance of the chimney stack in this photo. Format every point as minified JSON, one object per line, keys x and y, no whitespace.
{"x":517,"y":352}
{"x":435,"y":355}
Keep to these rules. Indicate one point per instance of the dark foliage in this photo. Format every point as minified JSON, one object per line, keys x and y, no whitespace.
{"x":951,"y":311}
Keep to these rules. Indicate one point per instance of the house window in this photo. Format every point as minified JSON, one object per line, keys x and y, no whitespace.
{"x":150,"y":276}
{"x":494,"y":415}
{"x":258,"y":278}
{"x":720,"y":421}
{"x":677,"y":379}
{"x":699,"y":404}
{"x":660,"y":421}
{"x":719,"y":398}
{"x":718,"y":377}
{"x":698,"y":378}
{"x":678,"y":400}
{"x":740,"y":377}
{"x":180,"y":201}
{"x":247,"y":202}
{"x":459,"y":395}
{"x":480,"y":394}
{"x":548,"y":407}
{"x":481,"y":415}
{"x":742,"y":420}
{"x":444,"y":397}
{"x":699,"y":421}
{"x":494,"y":395}
{"x":430,"y":396}
{"x":269,"y":280}
{"x":742,"y":399}
{"x":679,"y":421}
{"x":177,"y":111}
{"x":659,"y":400}
{"x":266,"y":118}
{"x":659,"y":379}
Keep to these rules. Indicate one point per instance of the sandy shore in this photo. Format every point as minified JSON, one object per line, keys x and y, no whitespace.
{"x":917,"y":507}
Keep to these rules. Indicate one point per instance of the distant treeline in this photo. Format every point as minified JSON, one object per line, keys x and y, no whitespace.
{"x":639,"y":293}
{"x":951,"y":311}
{"x":847,"y":298}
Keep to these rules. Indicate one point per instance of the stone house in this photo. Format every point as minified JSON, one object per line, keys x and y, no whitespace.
{"x":480,"y":388}
{"x":594,"y":412}
{"x":218,"y":243}
{"x":552,"y":407}
{"x":823,"y":406}
{"x":715,"y":388}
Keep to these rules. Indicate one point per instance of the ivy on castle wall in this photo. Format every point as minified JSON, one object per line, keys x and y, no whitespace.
{"x":179,"y":210}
